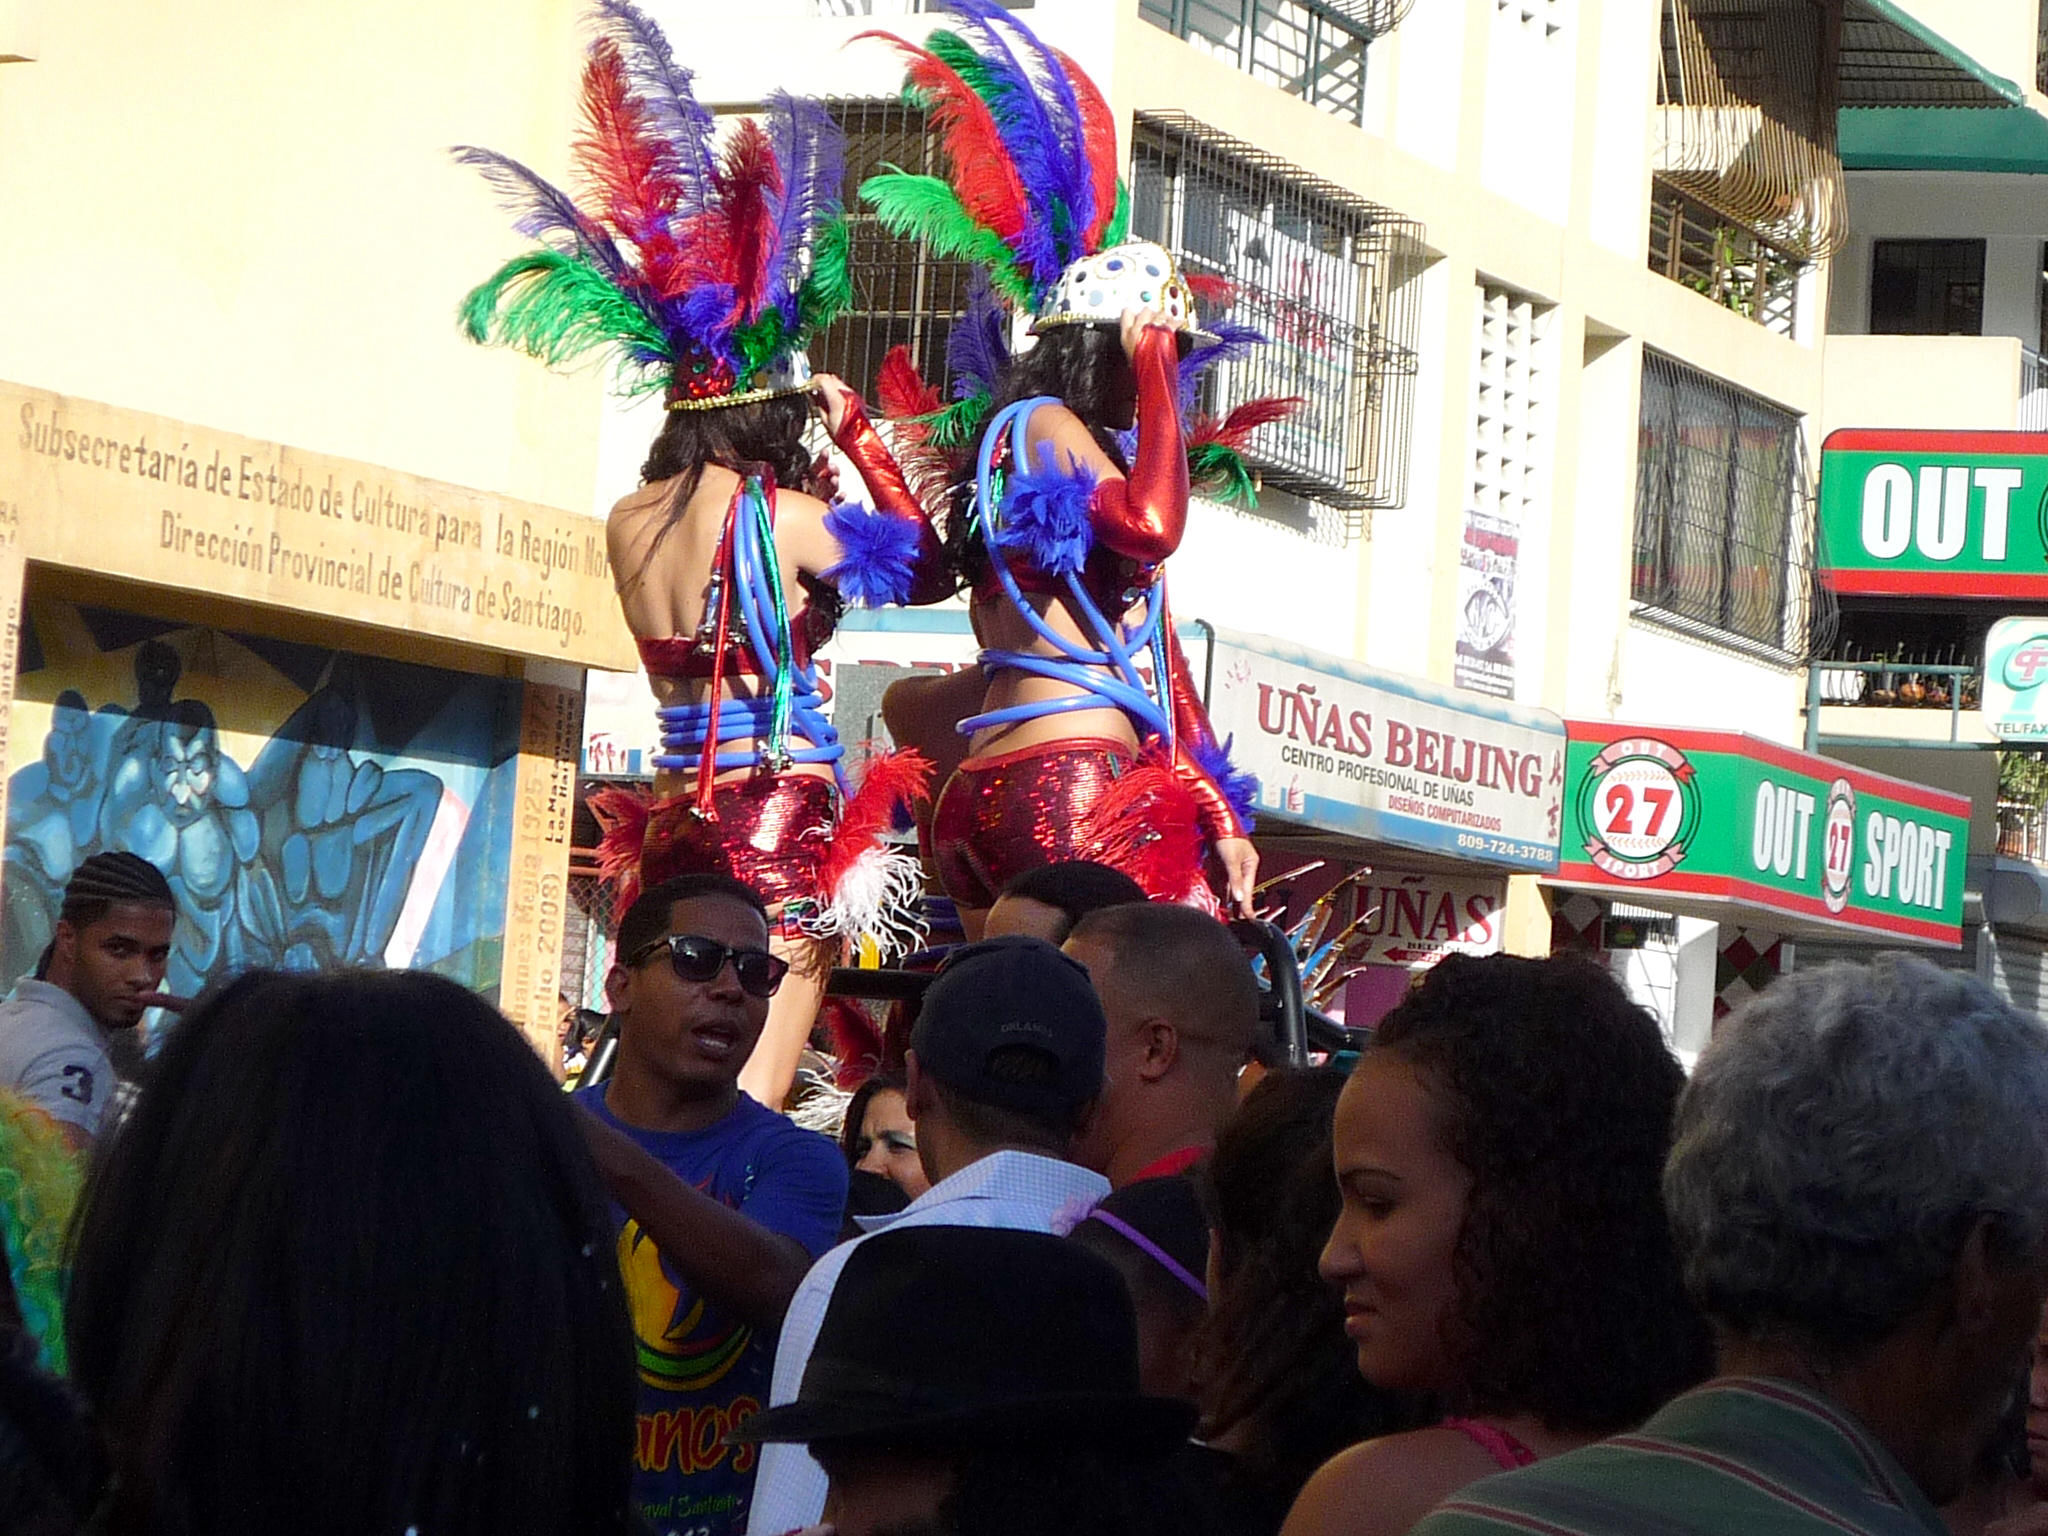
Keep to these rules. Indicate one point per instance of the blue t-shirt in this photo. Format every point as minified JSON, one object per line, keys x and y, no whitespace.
{"x":702,"y":1370}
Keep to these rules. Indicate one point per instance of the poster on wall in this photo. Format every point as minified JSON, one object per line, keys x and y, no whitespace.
{"x":1487,"y":560}
{"x":311,"y":807}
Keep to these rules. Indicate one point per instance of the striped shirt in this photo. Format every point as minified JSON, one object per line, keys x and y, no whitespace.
{"x":1742,"y":1454}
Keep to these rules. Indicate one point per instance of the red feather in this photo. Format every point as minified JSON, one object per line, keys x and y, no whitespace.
{"x":749,"y":182}
{"x":623,"y":159}
{"x":892,"y":780}
{"x":1098,"y":137}
{"x":623,"y":815}
{"x":1216,"y":292}
{"x":856,"y":1040}
{"x":1144,"y":824}
{"x":901,"y":390}
{"x":1235,"y":430}
{"x":984,"y":175}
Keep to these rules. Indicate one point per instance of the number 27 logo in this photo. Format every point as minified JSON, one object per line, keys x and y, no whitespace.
{"x":1639,"y":808}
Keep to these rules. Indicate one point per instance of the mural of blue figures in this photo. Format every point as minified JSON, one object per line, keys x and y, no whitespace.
{"x":312,"y":807}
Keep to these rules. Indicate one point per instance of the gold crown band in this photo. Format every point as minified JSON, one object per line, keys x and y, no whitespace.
{"x":742,"y":397}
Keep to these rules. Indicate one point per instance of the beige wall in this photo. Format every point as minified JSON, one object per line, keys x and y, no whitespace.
{"x":1960,"y":382}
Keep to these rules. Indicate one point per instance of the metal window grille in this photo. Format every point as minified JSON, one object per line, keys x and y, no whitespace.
{"x":1692,"y":244}
{"x":1725,"y":536}
{"x":894,"y":7}
{"x":1325,"y":274}
{"x":902,"y":294}
{"x":1746,"y":97}
{"x":1314,"y":49}
{"x":1927,"y":287}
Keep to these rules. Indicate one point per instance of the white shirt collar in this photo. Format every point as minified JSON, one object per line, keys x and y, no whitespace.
{"x":1022,"y":1178}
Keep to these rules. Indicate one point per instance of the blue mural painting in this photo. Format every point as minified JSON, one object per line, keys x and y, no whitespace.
{"x":312,"y":807}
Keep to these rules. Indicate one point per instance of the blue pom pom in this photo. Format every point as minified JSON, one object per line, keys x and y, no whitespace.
{"x":881,"y":554}
{"x":1240,"y":787}
{"x":1045,"y":516}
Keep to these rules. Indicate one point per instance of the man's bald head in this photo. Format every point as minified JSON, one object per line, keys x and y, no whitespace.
{"x":1183,"y":1010}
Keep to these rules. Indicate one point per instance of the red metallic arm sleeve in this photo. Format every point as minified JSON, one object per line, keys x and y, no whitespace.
{"x":1193,"y":735}
{"x":889,"y":492}
{"x":1142,"y":518}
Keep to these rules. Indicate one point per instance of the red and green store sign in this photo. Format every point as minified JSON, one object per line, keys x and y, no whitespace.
{"x":1944,"y":514}
{"x":1717,"y":820}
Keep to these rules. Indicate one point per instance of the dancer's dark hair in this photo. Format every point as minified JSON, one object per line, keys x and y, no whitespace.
{"x":348,"y":1267}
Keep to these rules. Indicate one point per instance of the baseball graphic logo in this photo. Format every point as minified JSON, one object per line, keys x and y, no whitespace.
{"x":1838,"y":840}
{"x":1640,"y":807}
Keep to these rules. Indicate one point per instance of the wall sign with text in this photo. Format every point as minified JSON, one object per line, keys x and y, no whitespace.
{"x":1942,"y":514}
{"x":1727,"y":818}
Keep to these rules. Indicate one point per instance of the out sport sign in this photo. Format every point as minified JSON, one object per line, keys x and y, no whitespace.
{"x":1721,"y":819}
{"x":1943,"y":514}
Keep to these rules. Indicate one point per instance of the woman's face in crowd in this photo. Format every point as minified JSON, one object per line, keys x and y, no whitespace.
{"x":891,"y":1142}
{"x":1404,"y":1199}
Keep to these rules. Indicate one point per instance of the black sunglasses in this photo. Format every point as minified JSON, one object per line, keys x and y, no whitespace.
{"x":696,"y":958}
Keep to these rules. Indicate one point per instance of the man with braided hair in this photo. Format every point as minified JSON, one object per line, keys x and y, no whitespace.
{"x":100,"y":974}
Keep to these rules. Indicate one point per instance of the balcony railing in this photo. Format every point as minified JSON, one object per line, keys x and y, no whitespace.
{"x":2033,"y":409}
{"x":1694,"y":246}
{"x":2023,"y":832}
{"x":1895,"y":685}
{"x":1314,"y":49}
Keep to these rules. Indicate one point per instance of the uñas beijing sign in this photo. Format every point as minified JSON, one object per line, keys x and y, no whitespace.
{"x":1946,"y":514}
{"x":1393,"y":759}
{"x":1721,"y":818}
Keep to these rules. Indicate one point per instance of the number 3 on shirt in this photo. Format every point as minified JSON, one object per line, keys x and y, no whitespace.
{"x":78,"y":1084}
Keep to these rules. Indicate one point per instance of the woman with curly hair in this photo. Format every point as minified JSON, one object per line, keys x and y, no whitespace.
{"x":1502,"y":1242}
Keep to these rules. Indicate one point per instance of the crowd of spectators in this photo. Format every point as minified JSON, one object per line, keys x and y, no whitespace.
{"x":351,"y":1263}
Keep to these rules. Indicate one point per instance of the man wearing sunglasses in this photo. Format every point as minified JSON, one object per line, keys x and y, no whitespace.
{"x":723,"y":1203}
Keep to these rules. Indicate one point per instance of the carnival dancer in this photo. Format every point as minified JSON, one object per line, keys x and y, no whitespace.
{"x":704,"y":265}
{"x":1061,"y":527}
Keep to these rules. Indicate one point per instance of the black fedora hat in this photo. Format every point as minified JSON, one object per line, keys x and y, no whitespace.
{"x":962,"y":1336}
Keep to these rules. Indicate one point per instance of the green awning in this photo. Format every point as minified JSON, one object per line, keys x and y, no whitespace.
{"x":1889,"y":59}
{"x":2010,"y":139}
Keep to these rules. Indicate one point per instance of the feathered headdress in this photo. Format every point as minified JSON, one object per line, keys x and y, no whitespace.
{"x":702,"y":266}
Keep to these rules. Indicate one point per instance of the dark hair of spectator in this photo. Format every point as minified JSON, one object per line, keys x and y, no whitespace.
{"x":857,"y":1110}
{"x":1279,"y":1375}
{"x":348,"y":1267}
{"x":109,"y":880}
{"x":991,"y":1125}
{"x":52,"y":1471}
{"x":648,"y":918}
{"x":1024,"y":1489}
{"x":1555,"y":1092}
{"x":1075,"y":887}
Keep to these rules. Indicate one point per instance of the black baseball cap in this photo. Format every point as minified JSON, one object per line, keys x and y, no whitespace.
{"x":956,"y":1337}
{"x":1013,"y":991}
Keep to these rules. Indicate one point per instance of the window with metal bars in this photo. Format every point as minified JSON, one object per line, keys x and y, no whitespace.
{"x":1313,"y":49}
{"x":1324,"y":274}
{"x":901,"y":293}
{"x":1725,"y":533}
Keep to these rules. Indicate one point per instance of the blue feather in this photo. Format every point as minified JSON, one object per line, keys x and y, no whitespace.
{"x":1051,"y":114}
{"x":978,"y":347}
{"x":682,"y":124}
{"x":709,"y":313}
{"x":1028,"y":134}
{"x":880,"y":555}
{"x":811,"y":153}
{"x":1045,"y":516}
{"x":1234,"y":341}
{"x":1240,"y":787}
{"x":545,"y":212}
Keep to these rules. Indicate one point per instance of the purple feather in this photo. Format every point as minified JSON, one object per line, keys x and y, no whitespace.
{"x":978,"y":348}
{"x":545,"y":212}
{"x":1075,"y":184}
{"x":880,"y":555}
{"x":709,"y":312}
{"x":1029,"y":136}
{"x":811,"y":152}
{"x":1045,"y":516}
{"x":1234,"y":341}
{"x":1240,"y":786}
{"x":684,"y":125}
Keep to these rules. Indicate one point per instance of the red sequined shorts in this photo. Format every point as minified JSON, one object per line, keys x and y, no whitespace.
{"x":772,"y":833}
{"x":999,"y":816}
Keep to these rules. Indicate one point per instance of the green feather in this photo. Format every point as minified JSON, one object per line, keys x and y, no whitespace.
{"x":828,"y":291}
{"x":755,"y":346}
{"x":1221,"y":474}
{"x":926,"y":208}
{"x":560,"y":309}
{"x":1119,"y":227}
{"x":958,"y":424}
{"x":952,"y":49}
